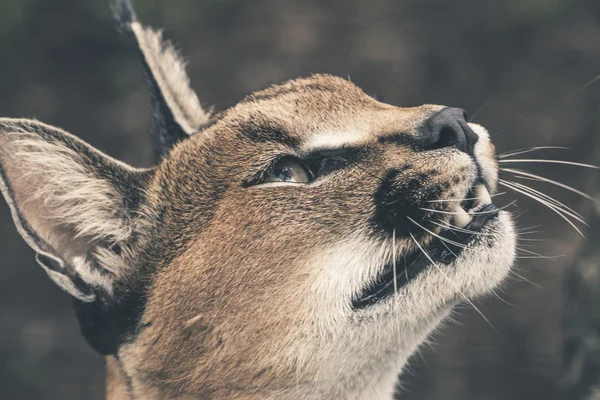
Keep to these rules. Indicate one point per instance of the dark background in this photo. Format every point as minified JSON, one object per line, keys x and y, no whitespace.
{"x":62,"y":61}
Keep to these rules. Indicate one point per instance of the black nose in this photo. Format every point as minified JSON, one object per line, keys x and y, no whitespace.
{"x":446,"y":128}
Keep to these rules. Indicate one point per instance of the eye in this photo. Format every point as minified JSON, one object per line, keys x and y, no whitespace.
{"x":288,"y":170}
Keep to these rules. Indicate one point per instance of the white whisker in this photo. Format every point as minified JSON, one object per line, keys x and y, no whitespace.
{"x":531,"y":258}
{"x":394,"y":260}
{"x":527,"y":230}
{"x":543,"y":202}
{"x":534,"y":160}
{"x":512,"y":271}
{"x":502,"y":300}
{"x":473,"y":213}
{"x":456,"y":228}
{"x":544,"y":179}
{"x":450,"y":250}
{"x":532,"y":149}
{"x":454,"y":213}
{"x":459,"y":200}
{"x":540,"y":255}
{"x":564,"y":208}
{"x":457,"y":244}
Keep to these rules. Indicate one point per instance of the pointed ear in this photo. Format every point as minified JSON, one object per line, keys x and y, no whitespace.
{"x":175,"y":110}
{"x":72,"y":204}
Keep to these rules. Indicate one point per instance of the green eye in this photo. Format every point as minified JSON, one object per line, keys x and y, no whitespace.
{"x":288,"y":170}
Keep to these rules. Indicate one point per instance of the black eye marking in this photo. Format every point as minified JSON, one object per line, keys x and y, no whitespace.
{"x":326,"y":161}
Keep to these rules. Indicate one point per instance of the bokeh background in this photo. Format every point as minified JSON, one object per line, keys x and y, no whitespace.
{"x":515,"y":65}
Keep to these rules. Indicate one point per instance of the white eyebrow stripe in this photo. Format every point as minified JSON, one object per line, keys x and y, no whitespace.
{"x":329,"y":140}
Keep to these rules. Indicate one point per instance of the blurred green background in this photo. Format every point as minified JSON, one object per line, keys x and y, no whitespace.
{"x":63,"y":62}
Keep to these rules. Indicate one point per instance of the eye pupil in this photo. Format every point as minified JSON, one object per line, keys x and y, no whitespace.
{"x":284,"y":174}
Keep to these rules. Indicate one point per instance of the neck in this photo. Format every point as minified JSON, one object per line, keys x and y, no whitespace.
{"x":375,"y":382}
{"x":353,"y":369}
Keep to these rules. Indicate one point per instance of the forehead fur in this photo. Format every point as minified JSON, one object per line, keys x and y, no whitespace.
{"x":300,"y":109}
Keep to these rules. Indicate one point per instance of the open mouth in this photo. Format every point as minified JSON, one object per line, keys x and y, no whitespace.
{"x":468,"y":219}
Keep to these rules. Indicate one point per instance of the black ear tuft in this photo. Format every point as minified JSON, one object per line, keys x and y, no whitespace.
{"x":124,"y":13}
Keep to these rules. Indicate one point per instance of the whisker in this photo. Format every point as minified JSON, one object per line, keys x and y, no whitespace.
{"x":524,"y":245}
{"x":456,"y":228}
{"x":473,"y":213}
{"x":480,"y":109}
{"x":525,"y":232}
{"x":512,"y":271}
{"x":501,"y":299}
{"x":531,"y":257}
{"x":378,"y":178}
{"x":540,"y":160}
{"x":549,"y":105}
{"x":459,"y":200}
{"x":405,"y":269}
{"x":564,"y":208}
{"x":530,"y":150}
{"x":539,"y":196}
{"x":553,"y":182}
{"x":529,"y":228}
{"x":394,"y":260}
{"x":450,"y":250}
{"x":540,"y":255}
{"x":457,"y":244}
{"x":450,"y":281}
{"x":545,"y":203}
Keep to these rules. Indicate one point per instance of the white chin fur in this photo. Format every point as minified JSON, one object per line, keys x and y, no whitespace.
{"x":372,"y":345}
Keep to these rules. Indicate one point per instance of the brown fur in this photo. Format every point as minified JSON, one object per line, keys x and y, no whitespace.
{"x":229,"y":288}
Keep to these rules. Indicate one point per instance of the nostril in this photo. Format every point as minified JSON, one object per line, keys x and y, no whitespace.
{"x":448,"y":137}
{"x":448,"y":128}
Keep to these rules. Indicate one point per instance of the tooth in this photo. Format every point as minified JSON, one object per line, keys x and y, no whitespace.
{"x":482,"y":195}
{"x":461,"y":218}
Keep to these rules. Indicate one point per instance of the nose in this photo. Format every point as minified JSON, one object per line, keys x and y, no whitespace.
{"x":446,"y":128}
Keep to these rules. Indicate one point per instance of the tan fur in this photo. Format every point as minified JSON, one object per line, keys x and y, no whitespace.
{"x":198,"y":278}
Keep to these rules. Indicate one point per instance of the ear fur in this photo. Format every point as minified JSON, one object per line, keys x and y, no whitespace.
{"x":72,"y":204}
{"x":174,"y":107}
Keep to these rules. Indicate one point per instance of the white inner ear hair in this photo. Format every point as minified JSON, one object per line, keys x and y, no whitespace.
{"x":78,"y":213}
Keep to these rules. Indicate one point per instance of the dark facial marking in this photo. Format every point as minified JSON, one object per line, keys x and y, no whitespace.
{"x":402,"y":194}
{"x":264,"y":131}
